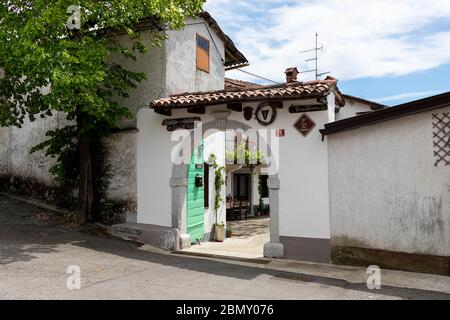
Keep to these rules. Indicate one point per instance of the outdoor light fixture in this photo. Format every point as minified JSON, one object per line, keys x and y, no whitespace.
{"x":198,"y":181}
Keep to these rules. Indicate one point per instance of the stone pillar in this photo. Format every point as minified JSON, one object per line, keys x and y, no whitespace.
{"x":274,"y":249}
{"x":220,"y":120}
{"x":179,"y":186}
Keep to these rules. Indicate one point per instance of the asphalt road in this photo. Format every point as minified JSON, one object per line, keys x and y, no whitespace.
{"x":35,"y":253}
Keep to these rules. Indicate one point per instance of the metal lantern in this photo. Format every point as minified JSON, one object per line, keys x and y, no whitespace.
{"x":198,"y":181}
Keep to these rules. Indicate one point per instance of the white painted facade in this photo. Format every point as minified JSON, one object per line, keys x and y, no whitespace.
{"x":386,"y":192}
{"x":300,"y":164}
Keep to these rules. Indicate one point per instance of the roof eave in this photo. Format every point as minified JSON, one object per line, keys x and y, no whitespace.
{"x":390,"y":113}
{"x":233,"y":57}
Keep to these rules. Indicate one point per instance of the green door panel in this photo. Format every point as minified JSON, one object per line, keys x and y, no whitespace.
{"x":195,"y":198}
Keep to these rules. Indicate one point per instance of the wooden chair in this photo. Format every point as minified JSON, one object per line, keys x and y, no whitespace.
{"x":240,"y":208}
{"x":244,"y":208}
{"x":235,"y":209}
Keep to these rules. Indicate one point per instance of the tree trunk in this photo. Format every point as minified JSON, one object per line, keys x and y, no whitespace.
{"x":86,"y":194}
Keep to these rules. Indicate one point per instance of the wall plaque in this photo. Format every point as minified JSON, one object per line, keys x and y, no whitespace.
{"x":248,"y":113}
{"x":266,"y":113}
{"x":183,"y":123}
{"x":303,"y":109}
{"x":304,"y":125}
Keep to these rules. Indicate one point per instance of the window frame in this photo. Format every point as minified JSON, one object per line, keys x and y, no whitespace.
{"x":198,"y":48}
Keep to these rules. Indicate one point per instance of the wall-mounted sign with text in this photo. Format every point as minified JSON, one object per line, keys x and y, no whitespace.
{"x":183,"y":123}
{"x":304,"y":125}
{"x":310,"y":108}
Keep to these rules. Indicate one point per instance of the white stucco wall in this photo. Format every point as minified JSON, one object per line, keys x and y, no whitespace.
{"x":213,"y":144}
{"x":303,"y":174}
{"x":302,"y":162}
{"x":386,"y":192}
{"x":350,"y":109}
{"x":154,"y":170}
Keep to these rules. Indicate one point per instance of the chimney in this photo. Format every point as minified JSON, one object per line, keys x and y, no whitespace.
{"x":291,"y":74}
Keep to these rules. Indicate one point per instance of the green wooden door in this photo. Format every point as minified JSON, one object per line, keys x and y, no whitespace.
{"x":195,"y":197}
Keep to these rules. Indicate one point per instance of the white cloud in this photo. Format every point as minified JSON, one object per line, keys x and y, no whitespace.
{"x":370,"y":38}
{"x":408,"y":96}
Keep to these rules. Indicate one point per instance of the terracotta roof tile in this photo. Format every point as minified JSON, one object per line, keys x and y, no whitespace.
{"x":234,"y":84}
{"x":287,"y":90}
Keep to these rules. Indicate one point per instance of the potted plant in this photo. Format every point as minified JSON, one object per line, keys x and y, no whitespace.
{"x":219,"y":228}
{"x":219,"y":232}
{"x":229,"y":232}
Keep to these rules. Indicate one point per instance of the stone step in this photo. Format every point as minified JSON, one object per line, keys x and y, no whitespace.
{"x":165,"y":238}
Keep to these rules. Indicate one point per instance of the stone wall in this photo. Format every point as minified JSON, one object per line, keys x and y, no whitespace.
{"x":28,"y":174}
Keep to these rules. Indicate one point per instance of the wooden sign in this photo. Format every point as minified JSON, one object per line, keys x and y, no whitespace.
{"x":183,"y":123}
{"x":304,"y":125}
{"x":303,"y":109}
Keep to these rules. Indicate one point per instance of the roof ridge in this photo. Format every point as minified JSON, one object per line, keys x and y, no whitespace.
{"x":261,"y":87}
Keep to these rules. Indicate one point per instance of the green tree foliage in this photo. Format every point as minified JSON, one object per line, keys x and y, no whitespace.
{"x":49,"y":67}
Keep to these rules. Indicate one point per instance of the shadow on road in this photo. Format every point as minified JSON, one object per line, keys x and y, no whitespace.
{"x":21,"y":237}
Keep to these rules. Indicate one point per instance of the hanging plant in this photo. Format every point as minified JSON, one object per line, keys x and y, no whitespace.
{"x":249,"y":157}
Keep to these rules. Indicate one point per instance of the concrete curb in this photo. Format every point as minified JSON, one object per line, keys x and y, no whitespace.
{"x":45,"y":206}
{"x":349,"y":274}
{"x":37,"y":203}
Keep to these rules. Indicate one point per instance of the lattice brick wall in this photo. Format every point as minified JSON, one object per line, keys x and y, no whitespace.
{"x":441,"y":138}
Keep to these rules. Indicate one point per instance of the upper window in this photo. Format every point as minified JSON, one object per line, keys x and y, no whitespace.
{"x":202,"y":53}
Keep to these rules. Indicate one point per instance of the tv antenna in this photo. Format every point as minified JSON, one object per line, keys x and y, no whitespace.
{"x":316,"y":59}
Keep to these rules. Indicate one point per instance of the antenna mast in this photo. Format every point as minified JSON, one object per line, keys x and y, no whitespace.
{"x":316,"y":59}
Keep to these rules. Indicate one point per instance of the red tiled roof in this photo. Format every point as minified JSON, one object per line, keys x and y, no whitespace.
{"x":283,"y":91}
{"x":234,"y":84}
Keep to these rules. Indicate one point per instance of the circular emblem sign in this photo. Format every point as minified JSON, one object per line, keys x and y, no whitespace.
{"x":265,"y":114}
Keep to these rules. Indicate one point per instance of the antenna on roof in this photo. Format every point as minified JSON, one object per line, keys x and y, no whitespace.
{"x":316,"y":59}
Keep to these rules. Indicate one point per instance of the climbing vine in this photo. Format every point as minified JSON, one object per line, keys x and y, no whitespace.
{"x":219,"y":181}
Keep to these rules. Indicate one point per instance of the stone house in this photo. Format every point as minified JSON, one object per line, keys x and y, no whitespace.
{"x":327,"y":176}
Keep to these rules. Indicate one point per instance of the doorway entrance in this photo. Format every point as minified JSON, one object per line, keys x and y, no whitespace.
{"x":241,"y":186}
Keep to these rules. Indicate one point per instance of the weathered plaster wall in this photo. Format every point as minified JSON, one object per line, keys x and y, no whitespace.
{"x":120,"y":163}
{"x":23,"y":164}
{"x":152,"y":64}
{"x":4,"y":146}
{"x":181,"y":72}
{"x":386,"y":192}
{"x":28,"y":174}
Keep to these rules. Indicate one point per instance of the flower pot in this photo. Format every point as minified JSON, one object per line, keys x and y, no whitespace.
{"x":229,"y":233}
{"x":219,"y":233}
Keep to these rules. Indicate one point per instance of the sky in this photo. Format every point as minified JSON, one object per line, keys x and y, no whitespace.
{"x":382,"y":50}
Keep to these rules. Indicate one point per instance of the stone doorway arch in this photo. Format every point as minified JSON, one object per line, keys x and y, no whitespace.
{"x":178,"y":184}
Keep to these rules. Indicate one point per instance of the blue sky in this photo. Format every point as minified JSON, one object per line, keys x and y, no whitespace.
{"x":388,"y":51}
